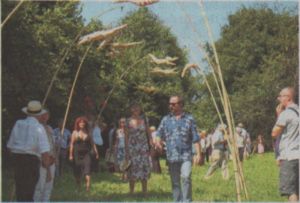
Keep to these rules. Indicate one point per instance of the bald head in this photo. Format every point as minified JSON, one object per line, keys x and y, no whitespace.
{"x":289,"y":91}
{"x":286,"y":96}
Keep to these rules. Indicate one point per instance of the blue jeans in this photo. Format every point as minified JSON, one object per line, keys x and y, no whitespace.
{"x":178,"y":171}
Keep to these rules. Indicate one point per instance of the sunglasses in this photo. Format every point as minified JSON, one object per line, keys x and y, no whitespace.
{"x":173,"y":104}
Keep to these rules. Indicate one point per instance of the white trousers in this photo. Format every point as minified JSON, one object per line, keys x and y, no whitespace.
{"x":43,"y":188}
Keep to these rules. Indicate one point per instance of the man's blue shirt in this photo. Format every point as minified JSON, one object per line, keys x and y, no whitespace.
{"x":179,"y":136}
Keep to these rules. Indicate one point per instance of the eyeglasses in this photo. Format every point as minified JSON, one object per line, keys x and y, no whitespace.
{"x":173,"y":104}
{"x":283,"y":95}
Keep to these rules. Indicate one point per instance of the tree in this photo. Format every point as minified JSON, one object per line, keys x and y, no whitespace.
{"x":258,"y":52}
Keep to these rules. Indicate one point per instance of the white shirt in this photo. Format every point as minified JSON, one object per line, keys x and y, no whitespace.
{"x":97,"y":136}
{"x":216,"y":140}
{"x":28,"y":136}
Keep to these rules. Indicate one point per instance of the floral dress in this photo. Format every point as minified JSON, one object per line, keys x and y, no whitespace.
{"x":138,"y":151}
{"x":120,"y":147}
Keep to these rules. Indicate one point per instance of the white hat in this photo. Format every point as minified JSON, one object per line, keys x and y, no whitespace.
{"x":240,"y":125}
{"x":222,"y":126}
{"x":125,"y":165}
{"x":34,"y":108}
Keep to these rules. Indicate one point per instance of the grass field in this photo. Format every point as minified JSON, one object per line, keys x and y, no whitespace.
{"x":261,"y":174}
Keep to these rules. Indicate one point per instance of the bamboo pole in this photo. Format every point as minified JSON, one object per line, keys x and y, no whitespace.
{"x":222,"y":100}
{"x":12,"y":13}
{"x":228,"y":112}
{"x":200,"y":47}
{"x":200,"y":72}
{"x":72,"y":89}
{"x":230,"y":139}
{"x":67,"y":53}
{"x":115,"y":85}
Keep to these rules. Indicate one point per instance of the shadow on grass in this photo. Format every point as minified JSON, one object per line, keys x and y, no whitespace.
{"x":138,"y":196}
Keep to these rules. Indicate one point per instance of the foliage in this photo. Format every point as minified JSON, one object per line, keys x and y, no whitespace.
{"x":261,"y":174}
{"x":38,"y":36}
{"x":258,"y":52}
{"x":33,"y":42}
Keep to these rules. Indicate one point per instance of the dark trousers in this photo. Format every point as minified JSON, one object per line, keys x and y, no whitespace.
{"x":63,"y":158}
{"x":26,"y":169}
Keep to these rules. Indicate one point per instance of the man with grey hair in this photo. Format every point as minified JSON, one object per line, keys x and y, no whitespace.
{"x":287,"y":126}
{"x":29,"y":145}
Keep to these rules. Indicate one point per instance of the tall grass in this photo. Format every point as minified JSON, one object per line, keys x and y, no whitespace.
{"x":261,"y":174}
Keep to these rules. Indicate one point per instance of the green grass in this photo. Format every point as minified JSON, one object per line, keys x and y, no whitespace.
{"x":261,"y":174}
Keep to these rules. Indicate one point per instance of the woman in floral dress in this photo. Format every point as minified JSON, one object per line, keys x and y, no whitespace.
{"x":137,"y":149}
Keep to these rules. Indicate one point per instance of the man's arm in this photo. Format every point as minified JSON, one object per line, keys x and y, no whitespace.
{"x":47,"y":160}
{"x":198,"y":151}
{"x":158,"y":142}
{"x":277,"y":130}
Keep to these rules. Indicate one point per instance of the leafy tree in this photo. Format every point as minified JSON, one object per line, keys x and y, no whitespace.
{"x":258,"y":52}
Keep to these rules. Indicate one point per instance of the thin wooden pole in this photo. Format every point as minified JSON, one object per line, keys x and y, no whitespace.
{"x":73,"y":87}
{"x":228,"y":112}
{"x":67,"y":53}
{"x":115,"y":85}
{"x":12,"y":13}
{"x":200,"y":47}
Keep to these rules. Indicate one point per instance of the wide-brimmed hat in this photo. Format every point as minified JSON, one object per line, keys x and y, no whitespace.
{"x":241,"y":125}
{"x":125,"y":165}
{"x":34,"y":108}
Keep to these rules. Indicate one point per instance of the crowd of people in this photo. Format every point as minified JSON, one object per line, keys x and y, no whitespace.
{"x":40,"y":153}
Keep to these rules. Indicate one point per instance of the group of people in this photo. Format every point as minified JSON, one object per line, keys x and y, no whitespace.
{"x":136,"y":147}
{"x":39,"y":153}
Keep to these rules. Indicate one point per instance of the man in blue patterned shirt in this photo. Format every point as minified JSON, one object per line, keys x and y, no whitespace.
{"x":178,"y":130}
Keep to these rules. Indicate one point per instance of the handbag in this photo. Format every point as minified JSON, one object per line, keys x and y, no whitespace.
{"x":109,"y":156}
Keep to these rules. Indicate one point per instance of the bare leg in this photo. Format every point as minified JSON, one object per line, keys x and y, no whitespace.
{"x":131,"y":186}
{"x":144,"y":186}
{"x":88,"y":182}
{"x":293,"y":198}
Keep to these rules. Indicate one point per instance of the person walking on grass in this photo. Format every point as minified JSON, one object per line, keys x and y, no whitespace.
{"x":137,"y":148}
{"x":44,"y":186}
{"x":287,"y":126}
{"x":62,"y":144}
{"x":178,"y":130}
{"x":219,"y":153}
{"x":80,"y":151}
{"x":29,"y":146}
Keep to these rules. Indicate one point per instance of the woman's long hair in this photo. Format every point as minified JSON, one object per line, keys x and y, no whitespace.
{"x":78,"y":120}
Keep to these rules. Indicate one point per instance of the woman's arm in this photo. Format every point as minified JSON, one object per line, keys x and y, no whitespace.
{"x":126,"y":134}
{"x":115,"y":145}
{"x":73,"y":137}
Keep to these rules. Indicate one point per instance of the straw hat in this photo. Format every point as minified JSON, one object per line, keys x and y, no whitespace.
{"x":125,"y":165}
{"x":34,"y":108}
{"x":241,"y":125}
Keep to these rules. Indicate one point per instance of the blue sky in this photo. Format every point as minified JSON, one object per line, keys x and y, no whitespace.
{"x":174,"y":15}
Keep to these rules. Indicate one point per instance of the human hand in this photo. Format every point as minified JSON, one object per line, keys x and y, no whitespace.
{"x":197,"y":158}
{"x":71,"y":158}
{"x":278,"y":162}
{"x":280,"y":108}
